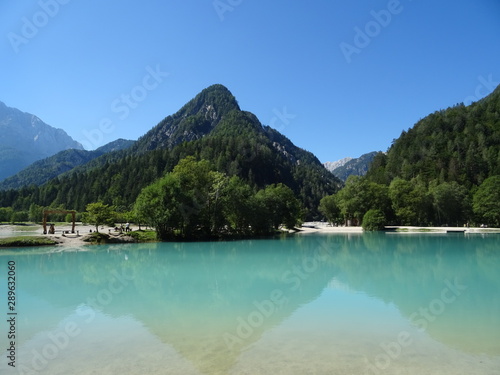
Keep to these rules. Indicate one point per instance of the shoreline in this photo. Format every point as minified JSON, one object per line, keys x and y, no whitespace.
{"x":64,"y":237}
{"x":324,"y":227}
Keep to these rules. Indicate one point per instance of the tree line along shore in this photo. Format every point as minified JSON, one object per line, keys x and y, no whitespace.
{"x":196,"y":202}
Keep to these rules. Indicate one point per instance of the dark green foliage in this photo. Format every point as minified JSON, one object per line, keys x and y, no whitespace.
{"x":329,"y":207}
{"x":376,"y":172}
{"x":36,"y":213}
{"x":373,"y":220}
{"x":460,"y":144}
{"x":411,"y":201}
{"x":279,"y":206}
{"x":451,"y":203}
{"x":360,"y":195}
{"x":19,"y":217}
{"x":5,"y":214}
{"x":487,"y":201}
{"x":195,"y":201}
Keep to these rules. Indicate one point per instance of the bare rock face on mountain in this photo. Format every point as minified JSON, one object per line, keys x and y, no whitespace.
{"x":351,"y":166}
{"x":332,"y":165}
{"x":24,"y":138}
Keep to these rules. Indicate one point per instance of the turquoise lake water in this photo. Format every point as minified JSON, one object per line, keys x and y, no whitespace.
{"x":369,"y":303}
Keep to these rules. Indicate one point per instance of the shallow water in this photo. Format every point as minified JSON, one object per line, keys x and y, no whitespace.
{"x":309,"y":304}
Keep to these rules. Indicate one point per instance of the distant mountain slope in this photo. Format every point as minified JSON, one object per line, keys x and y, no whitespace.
{"x":212,"y":127}
{"x":117,"y":145}
{"x":349,"y":166}
{"x":332,"y":165}
{"x":43,"y":170}
{"x":24,"y":138}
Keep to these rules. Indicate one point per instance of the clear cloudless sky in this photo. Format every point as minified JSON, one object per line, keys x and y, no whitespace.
{"x":338,"y":77}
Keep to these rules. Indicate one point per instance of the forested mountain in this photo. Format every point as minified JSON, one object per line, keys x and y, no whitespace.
{"x":117,"y":145}
{"x":460,"y":144}
{"x":24,"y":138}
{"x":193,"y":121}
{"x":43,"y":170}
{"x":349,"y":166}
{"x":443,"y":171}
{"x":210,"y":127}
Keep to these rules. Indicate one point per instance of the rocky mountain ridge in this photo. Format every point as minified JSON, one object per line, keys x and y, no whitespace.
{"x":25,"y":138}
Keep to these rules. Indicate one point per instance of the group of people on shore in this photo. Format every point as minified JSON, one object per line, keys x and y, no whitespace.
{"x":122,"y":228}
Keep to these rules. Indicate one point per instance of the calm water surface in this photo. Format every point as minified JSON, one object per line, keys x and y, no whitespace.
{"x":310,"y":304}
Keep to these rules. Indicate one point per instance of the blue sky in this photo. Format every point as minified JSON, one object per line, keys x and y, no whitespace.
{"x":337,"y":77}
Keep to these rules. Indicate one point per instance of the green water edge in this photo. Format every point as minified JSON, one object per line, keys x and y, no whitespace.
{"x":101,"y":238}
{"x":145,"y":236}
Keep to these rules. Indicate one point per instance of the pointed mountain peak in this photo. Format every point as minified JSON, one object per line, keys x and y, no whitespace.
{"x":193,"y":121}
{"x":216,"y":99}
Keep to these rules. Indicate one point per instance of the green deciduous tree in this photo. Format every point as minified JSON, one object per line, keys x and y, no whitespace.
{"x":410,"y":201}
{"x":35,"y":213}
{"x":360,"y":195}
{"x":281,"y":206}
{"x":239,"y":206}
{"x":194,"y":201}
{"x":5,"y":213}
{"x":486,"y":201}
{"x":19,"y":217}
{"x":98,"y":214}
{"x":451,"y":203}
{"x":157,"y":205}
{"x":373,"y":220}
{"x":328,"y":206}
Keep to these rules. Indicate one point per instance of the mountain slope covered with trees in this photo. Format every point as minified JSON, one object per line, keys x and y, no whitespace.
{"x":443,"y":171}
{"x":210,"y":127}
{"x":43,"y":170}
{"x":460,"y":144}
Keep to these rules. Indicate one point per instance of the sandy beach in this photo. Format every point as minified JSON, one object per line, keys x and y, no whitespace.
{"x":323,"y":227}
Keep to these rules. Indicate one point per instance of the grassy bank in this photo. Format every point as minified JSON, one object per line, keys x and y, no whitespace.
{"x":144,"y":235}
{"x":136,"y":236}
{"x":22,"y":241}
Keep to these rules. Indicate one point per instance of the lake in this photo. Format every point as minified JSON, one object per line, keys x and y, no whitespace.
{"x":373,"y":303}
